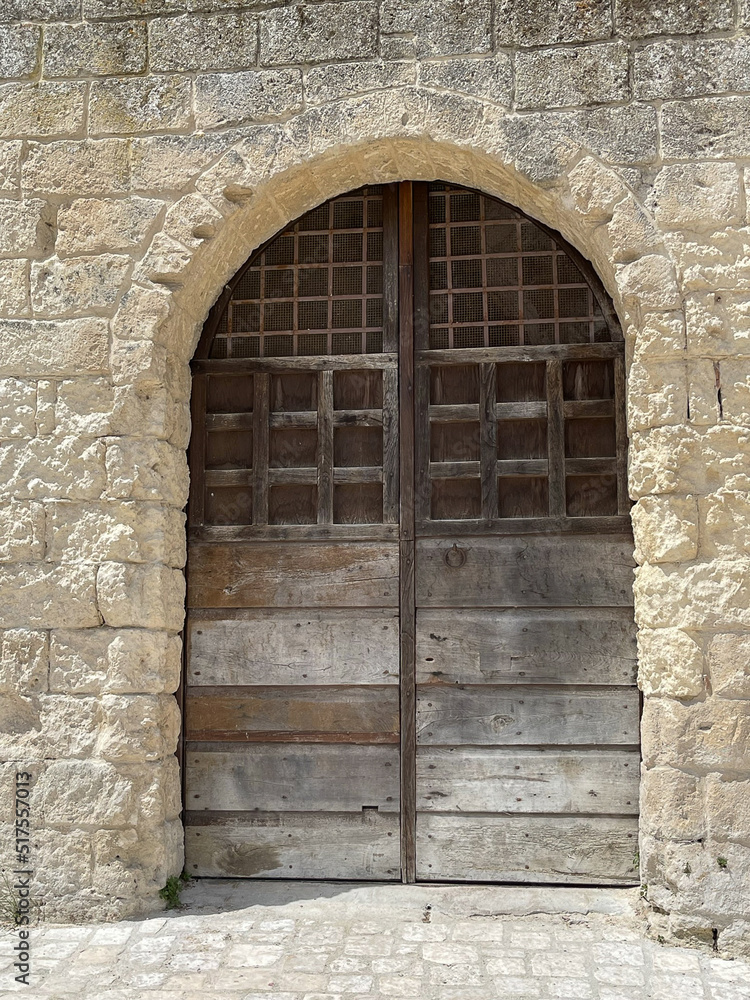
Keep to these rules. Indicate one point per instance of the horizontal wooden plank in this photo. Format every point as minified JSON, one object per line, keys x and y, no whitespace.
{"x":590,"y":466}
{"x":229,"y":421}
{"x":285,"y":647}
{"x":522,"y":467}
{"x":454,"y":470}
{"x":543,"y":352}
{"x":615,"y":525}
{"x":472,"y":779}
{"x":309,"y":475}
{"x":441,"y":413}
{"x":589,"y":408}
{"x":228,"y":477}
{"x":510,"y":646}
{"x":362,"y":845}
{"x":291,"y":532}
{"x":323,"y":709}
{"x":318,"y":363}
{"x":520,"y":716}
{"x":558,"y":849}
{"x":278,"y":778}
{"x":293,"y":574}
{"x":572,"y":571}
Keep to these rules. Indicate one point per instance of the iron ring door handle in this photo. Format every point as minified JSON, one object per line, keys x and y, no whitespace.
{"x":455,"y":557}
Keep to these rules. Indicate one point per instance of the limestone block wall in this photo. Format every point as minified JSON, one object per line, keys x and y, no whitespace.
{"x":146,"y":147}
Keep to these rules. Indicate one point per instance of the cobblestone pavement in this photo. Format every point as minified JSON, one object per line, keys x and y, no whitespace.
{"x":306,"y":941}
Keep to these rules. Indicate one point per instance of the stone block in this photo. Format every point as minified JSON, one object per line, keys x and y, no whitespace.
{"x":691,"y":67}
{"x":52,"y":467}
{"x":26,"y":228}
{"x":90,"y":794}
{"x":670,"y":664}
{"x":703,"y":400}
{"x":440,"y":27}
{"x":37,"y":110}
{"x":96,"y":407}
{"x":192,"y":221}
{"x":76,"y":285}
{"x":727,"y":808}
{"x":697,"y":196}
{"x":93,"y":166}
{"x":718,"y":324}
{"x":491,"y":79}
{"x":121,"y":531}
{"x":709,"y":261}
{"x":98,"y":225}
{"x":63,"y":866}
{"x":114,"y":661}
{"x":660,"y":335}
{"x":657,"y":394}
{"x":95,"y":49}
{"x":688,"y":459}
{"x":224,"y":41}
{"x":666,"y":529}
{"x":142,"y":596}
{"x":21,"y":531}
{"x":338,"y":80}
{"x":595,"y":189}
{"x":672,"y":805}
{"x":318,"y":33}
{"x":143,"y":313}
{"x":636,"y":19}
{"x":95,"y":9}
{"x":14,"y":288}
{"x":140,"y":104}
{"x":146,"y":470}
{"x":631,"y":232}
{"x":568,"y":77}
{"x":17,"y":409}
{"x":729,"y":664}
{"x":224,"y":100}
{"x":703,"y":737}
{"x":712,"y":594}
{"x":41,"y":348}
{"x":734,"y":383}
{"x":711,"y":127}
{"x":24,"y":661}
{"x":40,"y":10}
{"x":19,"y":50}
{"x":124,"y":861}
{"x":164,"y":262}
{"x":10,"y":167}
{"x":549,"y":22}
{"x":138,"y":727}
{"x":41,"y":595}
{"x":169,"y":162}
{"x":649,"y":283}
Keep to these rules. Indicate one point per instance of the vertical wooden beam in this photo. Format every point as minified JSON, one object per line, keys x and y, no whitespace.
{"x":621,"y":436}
{"x":325,"y":447}
{"x":261,"y":382}
{"x":488,"y":439}
{"x":423,"y":487}
{"x":197,"y":453}
{"x":390,"y":268}
{"x":555,"y":439}
{"x":407,"y":606}
{"x":391,"y":455}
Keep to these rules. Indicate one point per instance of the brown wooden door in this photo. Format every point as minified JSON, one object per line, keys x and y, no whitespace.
{"x":410,"y":639}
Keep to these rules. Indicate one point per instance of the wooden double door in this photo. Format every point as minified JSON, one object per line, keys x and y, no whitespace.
{"x":410,"y":645}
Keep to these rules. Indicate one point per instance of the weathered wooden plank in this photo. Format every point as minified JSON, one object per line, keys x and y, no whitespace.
{"x":509,"y":646}
{"x":328,"y":709}
{"x":285,"y":647}
{"x":292,"y":532}
{"x":488,"y":439}
{"x":291,"y":778}
{"x":293,"y":574}
{"x":325,"y":447}
{"x":389,"y":419}
{"x":335,"y":362}
{"x":469,"y":779}
{"x":555,"y":438}
{"x":621,"y":436}
{"x":614,"y":525}
{"x":260,"y":448}
{"x":599,"y":850}
{"x":573,"y":571}
{"x":474,"y":355}
{"x":527,"y":716}
{"x":590,"y":466}
{"x":197,"y":452}
{"x":362,"y":845}
{"x":589,"y":408}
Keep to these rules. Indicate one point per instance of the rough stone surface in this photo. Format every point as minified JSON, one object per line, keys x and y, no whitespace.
{"x":146,"y":148}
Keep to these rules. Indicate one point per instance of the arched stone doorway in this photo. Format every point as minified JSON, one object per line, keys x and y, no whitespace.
{"x":411,"y":648}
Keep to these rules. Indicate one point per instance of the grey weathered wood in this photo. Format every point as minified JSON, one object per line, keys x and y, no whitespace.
{"x":326,"y":709}
{"x":292,"y":777}
{"x":294,"y":574}
{"x":589,"y":408}
{"x":288,"y":647}
{"x":621,"y":436}
{"x":555,"y":439}
{"x":488,"y":439}
{"x":229,"y":421}
{"x":591,"y":466}
{"x":197,"y":452}
{"x":474,"y":355}
{"x":510,"y":646}
{"x":332,"y":362}
{"x":295,"y":532}
{"x":527,"y":716}
{"x":599,"y":850}
{"x":260,"y":448}
{"x":615,"y":525}
{"x":578,"y":571}
{"x":363,"y":845}
{"x":389,"y":419}
{"x":470,"y":779}
{"x":325,"y":447}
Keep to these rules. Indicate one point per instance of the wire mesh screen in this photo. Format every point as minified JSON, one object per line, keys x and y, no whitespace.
{"x":317,"y":288}
{"x":499,"y":280}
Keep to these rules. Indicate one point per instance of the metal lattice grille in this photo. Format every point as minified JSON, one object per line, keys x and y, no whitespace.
{"x":499,"y":280}
{"x":317,"y":288}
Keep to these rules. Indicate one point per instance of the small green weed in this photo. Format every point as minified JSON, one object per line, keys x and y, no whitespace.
{"x":171,"y":891}
{"x":722,"y":862}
